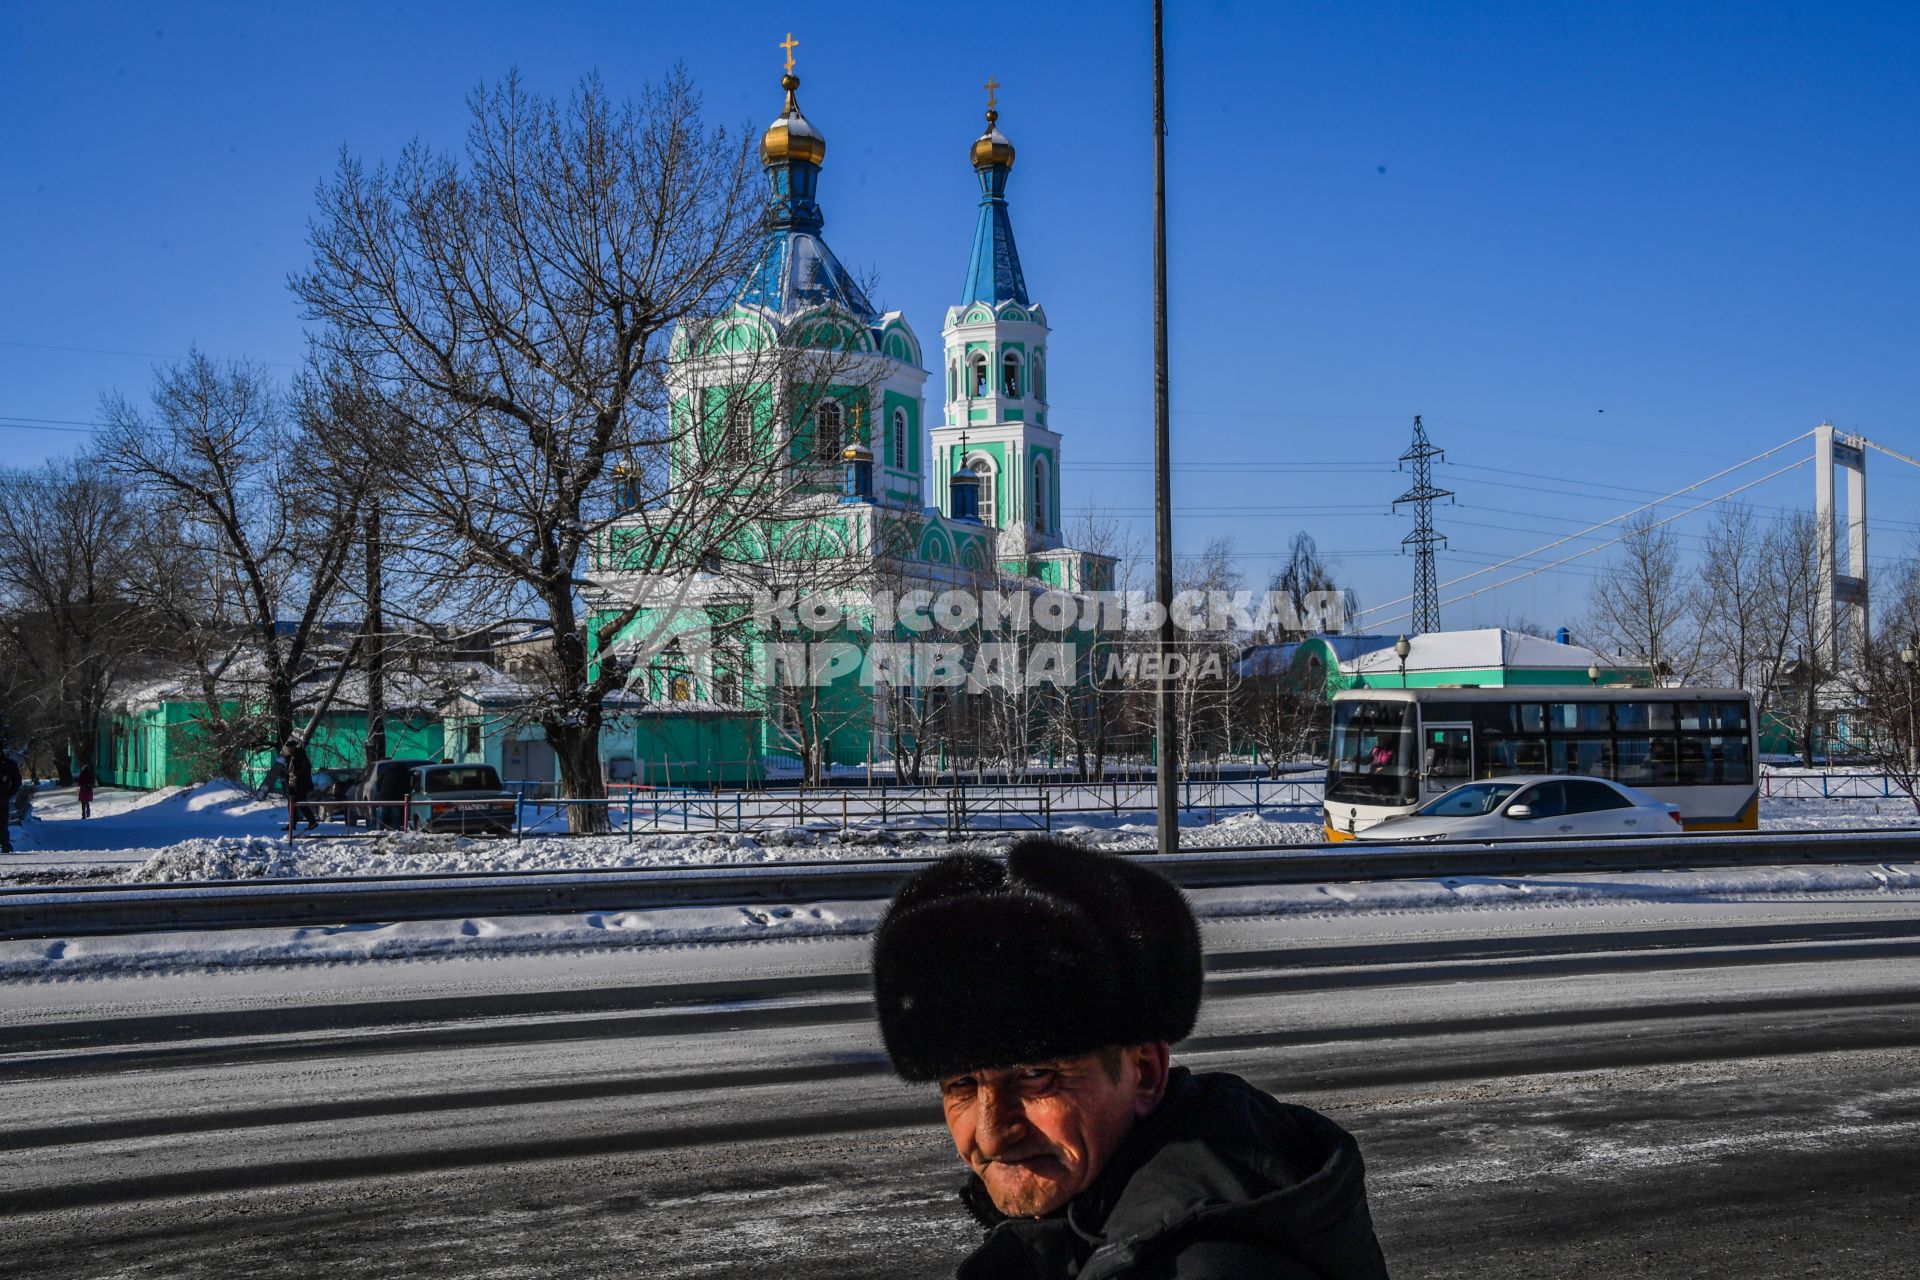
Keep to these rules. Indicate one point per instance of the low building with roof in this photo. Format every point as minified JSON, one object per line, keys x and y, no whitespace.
{"x":1481,"y":658}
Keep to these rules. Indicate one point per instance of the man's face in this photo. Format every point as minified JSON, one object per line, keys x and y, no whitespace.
{"x":1038,"y":1135}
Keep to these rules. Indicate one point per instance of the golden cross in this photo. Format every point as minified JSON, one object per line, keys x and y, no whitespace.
{"x":991,"y":86}
{"x":789,"y":44}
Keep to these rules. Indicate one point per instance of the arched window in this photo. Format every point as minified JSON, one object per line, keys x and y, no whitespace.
{"x":900,"y":437}
{"x":953,"y":381}
{"x":983,"y":467}
{"x":1010,"y":376}
{"x":735,"y":441}
{"x":979,"y":380}
{"x":1039,"y":378}
{"x":827,"y":432}
{"x":1040,"y":494}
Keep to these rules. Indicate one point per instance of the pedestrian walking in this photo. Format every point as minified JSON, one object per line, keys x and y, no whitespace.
{"x":299,"y":785}
{"x":1042,"y":996}
{"x":9,"y":787}
{"x":85,"y":780}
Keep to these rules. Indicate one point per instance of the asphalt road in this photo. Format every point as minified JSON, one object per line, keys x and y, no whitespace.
{"x":1705,"y":1090}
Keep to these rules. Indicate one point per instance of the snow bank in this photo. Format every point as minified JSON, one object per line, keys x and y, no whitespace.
{"x":60,"y":959}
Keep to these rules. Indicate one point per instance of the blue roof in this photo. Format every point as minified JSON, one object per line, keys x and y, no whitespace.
{"x":797,"y":270}
{"x":993,"y":272}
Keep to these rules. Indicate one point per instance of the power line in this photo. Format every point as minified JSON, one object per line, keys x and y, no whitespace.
{"x":1625,"y":514}
{"x":1480,"y":591}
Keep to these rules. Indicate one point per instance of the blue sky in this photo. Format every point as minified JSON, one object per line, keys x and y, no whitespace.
{"x":1697,"y":218}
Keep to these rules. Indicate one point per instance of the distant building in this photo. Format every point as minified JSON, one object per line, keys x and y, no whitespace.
{"x":1484,"y":658}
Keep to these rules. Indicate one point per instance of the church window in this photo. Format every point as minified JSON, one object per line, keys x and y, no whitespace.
{"x":900,"y":437}
{"x":1010,"y":376}
{"x":1040,"y":494}
{"x":733,"y":432}
{"x":727,"y":665}
{"x":984,"y":469}
{"x":1040,"y":375}
{"x":980,"y":385}
{"x":953,"y":381}
{"x":827,"y":421}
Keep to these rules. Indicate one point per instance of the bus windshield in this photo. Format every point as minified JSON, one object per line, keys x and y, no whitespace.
{"x":1372,"y":758}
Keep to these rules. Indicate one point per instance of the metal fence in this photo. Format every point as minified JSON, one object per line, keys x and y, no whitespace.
{"x":1833,"y":786}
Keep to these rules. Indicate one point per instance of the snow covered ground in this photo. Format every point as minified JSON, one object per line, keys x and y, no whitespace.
{"x":158,"y":953}
{"x":216,"y":831}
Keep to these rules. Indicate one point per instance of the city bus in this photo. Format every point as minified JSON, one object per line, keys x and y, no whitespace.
{"x":1393,"y":750}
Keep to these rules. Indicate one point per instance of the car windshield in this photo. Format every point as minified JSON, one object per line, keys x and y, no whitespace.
{"x":479,"y":778}
{"x":1474,"y":800}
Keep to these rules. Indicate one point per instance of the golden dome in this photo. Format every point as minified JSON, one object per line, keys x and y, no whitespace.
{"x":791,"y":137}
{"x":991,"y":148}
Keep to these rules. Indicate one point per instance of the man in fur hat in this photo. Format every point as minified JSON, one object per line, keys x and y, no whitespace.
{"x":1042,"y":995}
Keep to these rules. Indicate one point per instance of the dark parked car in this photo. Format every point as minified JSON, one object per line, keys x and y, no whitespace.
{"x":459,"y":797}
{"x":334,"y":785}
{"x":386,"y":781}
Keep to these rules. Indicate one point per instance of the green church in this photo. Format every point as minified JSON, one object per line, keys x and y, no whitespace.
{"x":874,"y":497}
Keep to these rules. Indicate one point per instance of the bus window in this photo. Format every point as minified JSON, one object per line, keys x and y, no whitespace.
{"x":1577,"y":717}
{"x":1631,"y":717}
{"x":1714,"y":761}
{"x":1663,"y":767}
{"x":1515,"y":755}
{"x":1580,"y":755}
{"x":1449,"y":758}
{"x":1632,"y":761}
{"x":1529,"y":717}
{"x":1727,"y":717}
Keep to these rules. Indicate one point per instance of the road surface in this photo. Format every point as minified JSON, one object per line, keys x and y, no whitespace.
{"x":1682,"y":1090}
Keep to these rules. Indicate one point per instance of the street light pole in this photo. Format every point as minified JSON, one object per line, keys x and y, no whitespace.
{"x":1909,"y":656}
{"x":1167,"y":762}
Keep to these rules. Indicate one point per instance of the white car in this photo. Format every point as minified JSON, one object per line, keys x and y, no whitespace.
{"x":1538,"y":807}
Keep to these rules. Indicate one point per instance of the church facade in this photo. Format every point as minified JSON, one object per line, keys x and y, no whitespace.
{"x":816,"y":403}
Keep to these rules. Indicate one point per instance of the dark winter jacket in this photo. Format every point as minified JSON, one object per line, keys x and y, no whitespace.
{"x":9,"y":777}
{"x":299,"y":774}
{"x":1221,"y":1182}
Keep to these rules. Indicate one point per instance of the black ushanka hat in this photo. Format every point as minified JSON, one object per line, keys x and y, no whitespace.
{"x":1059,"y":952}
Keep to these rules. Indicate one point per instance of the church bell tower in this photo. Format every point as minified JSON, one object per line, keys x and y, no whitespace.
{"x":995,"y":375}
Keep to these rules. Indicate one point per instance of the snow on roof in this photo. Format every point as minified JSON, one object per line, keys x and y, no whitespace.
{"x":1482,"y":648}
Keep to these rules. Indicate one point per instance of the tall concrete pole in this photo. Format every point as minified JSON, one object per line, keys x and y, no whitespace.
{"x":1166,"y":741}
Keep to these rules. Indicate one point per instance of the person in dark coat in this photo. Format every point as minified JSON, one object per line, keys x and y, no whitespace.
{"x":1043,"y":996}
{"x":84,"y":783}
{"x":9,"y":787}
{"x":300,"y":785}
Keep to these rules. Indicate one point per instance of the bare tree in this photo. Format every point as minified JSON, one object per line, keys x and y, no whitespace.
{"x":64,"y":536}
{"x":1737,"y":604}
{"x":1800,"y":630}
{"x":1307,"y":582}
{"x":230,"y":478}
{"x":1642,"y":605}
{"x":512,"y":307}
{"x":1885,"y":680}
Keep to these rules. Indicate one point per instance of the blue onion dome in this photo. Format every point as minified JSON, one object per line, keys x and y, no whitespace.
{"x":791,"y":137}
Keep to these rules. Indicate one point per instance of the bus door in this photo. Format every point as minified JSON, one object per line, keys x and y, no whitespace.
{"x":1449,"y":756}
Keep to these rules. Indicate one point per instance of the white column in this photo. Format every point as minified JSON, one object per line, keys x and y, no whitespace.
{"x":1824,"y":530}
